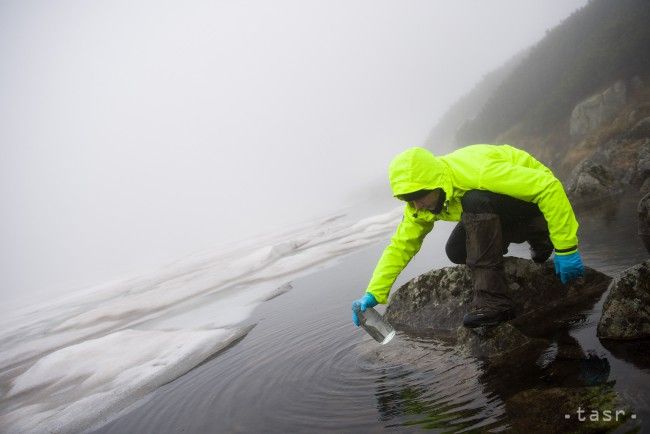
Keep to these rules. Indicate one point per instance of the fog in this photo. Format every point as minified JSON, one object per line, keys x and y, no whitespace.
{"x":133,"y":133}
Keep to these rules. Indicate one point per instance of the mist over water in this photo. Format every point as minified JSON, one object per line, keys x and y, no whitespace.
{"x":135,"y":133}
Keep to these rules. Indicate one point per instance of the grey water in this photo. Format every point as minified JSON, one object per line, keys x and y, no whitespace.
{"x":305,"y":367}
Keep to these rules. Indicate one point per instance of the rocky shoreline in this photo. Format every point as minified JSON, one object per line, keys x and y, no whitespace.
{"x":538,"y":343}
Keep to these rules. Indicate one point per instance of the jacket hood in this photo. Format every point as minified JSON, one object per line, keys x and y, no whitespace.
{"x":418,"y":169}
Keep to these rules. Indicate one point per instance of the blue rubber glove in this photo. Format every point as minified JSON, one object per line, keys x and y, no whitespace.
{"x":361,"y":305}
{"x":568,"y":267}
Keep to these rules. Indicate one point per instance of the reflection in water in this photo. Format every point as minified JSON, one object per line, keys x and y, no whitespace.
{"x":429,"y":413}
{"x":492,"y":394}
{"x":635,"y":352}
{"x":436,"y":387}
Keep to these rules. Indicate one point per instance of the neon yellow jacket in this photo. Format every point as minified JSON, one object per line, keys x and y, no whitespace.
{"x":496,"y":168}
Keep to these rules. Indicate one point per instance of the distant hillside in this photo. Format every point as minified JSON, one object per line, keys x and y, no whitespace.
{"x":604,"y":41}
{"x":443,"y":135}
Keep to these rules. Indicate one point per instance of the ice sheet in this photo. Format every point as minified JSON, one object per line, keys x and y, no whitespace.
{"x":70,"y":363}
{"x":78,"y":385}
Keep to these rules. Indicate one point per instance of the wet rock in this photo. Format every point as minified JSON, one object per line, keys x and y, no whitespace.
{"x":494,"y":342}
{"x":602,"y":178}
{"x":435,"y":302}
{"x":626,"y":312}
{"x":593,"y":181}
{"x":644,"y":220}
{"x":594,"y":111}
{"x":561,"y":409}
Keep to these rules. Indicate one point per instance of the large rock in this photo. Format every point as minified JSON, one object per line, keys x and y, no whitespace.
{"x":604,"y":176}
{"x":592,"y":181}
{"x":597,"y":109}
{"x":435,"y":302}
{"x":626,"y":312}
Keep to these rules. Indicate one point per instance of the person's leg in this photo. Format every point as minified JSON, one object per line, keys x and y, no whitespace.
{"x":484,"y":246}
{"x":522,"y":221}
{"x":538,"y":237}
{"x":455,"y":247}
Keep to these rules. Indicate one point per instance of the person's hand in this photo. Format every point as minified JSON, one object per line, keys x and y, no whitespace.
{"x":361,"y":305}
{"x":568,"y":267}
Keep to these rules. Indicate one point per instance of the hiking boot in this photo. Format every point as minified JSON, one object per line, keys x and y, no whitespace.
{"x":485,"y":317}
{"x":484,"y":244}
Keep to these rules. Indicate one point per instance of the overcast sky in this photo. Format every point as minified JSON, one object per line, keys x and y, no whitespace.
{"x":135,"y":132}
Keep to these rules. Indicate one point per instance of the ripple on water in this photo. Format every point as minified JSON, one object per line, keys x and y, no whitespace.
{"x":431,"y":385}
{"x":309,"y":380}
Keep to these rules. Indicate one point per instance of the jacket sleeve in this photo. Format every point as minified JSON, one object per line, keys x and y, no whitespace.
{"x":404,"y":244}
{"x":540,"y":186}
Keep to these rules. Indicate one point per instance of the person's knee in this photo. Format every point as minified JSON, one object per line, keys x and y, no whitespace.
{"x":477,"y":201}
{"x":456,"y":253}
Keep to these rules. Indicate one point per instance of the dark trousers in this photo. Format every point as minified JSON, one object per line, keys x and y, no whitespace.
{"x":520,"y":221}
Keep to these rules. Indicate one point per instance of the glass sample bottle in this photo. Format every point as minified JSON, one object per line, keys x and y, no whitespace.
{"x":376,"y":326}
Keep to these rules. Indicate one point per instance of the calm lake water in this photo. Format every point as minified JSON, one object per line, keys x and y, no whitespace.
{"x":305,"y":368}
